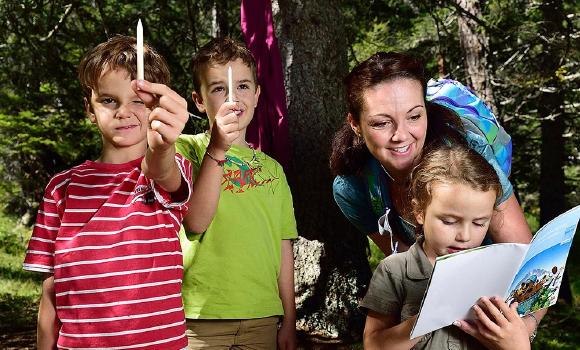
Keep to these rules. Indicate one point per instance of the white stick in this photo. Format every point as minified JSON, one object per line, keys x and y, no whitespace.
{"x":230,"y":90}
{"x":140,"y":69}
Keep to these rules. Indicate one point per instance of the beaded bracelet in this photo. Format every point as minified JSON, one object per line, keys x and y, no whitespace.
{"x":219,"y":162}
{"x":533,"y":335}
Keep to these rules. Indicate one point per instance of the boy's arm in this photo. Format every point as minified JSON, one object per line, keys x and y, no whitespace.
{"x":206,"y":191}
{"x":386,"y":332}
{"x":47,"y":328}
{"x":166,"y":121}
{"x":287,"y":331}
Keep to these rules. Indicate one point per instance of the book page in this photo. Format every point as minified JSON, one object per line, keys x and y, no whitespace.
{"x":536,"y":284}
{"x":460,"y":279}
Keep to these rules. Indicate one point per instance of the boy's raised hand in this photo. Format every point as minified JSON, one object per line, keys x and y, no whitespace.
{"x":225,"y":129}
{"x":498,"y":326}
{"x":168,"y":113}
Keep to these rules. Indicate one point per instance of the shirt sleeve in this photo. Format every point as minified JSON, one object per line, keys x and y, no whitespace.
{"x":351,"y":196}
{"x":385,"y":293}
{"x":188,"y":148}
{"x":479,"y":144}
{"x":288,"y":228}
{"x":41,"y":247}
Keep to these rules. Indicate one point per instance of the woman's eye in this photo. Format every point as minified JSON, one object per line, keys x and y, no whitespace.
{"x":382,"y":124}
{"x":415,"y":117}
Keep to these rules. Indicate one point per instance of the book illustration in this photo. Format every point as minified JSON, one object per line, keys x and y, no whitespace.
{"x":538,"y":281}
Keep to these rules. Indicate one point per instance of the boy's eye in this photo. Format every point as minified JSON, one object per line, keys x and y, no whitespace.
{"x":243,"y":86}
{"x":218,"y":89}
{"x":107,"y":100}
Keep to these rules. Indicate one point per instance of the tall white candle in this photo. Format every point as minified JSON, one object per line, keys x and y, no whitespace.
{"x":140,"y":69}
{"x":230,"y":90}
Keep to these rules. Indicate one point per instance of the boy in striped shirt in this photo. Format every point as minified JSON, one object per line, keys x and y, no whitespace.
{"x":106,"y":234}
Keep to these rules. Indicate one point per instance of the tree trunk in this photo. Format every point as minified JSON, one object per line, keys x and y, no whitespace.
{"x":220,"y":25}
{"x":474,"y":44}
{"x":332,"y":271}
{"x":551,"y":110}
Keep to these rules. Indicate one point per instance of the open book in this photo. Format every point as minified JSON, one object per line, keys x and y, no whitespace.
{"x":530,"y":274}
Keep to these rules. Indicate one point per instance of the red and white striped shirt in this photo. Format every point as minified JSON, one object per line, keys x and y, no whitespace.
{"x":110,"y":237}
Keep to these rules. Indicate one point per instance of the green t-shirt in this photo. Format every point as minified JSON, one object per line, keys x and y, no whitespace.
{"x":231,"y":271}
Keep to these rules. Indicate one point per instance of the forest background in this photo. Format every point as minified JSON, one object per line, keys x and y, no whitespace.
{"x":521,"y":56}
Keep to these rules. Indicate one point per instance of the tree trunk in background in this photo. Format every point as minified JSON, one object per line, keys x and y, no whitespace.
{"x":550,"y":109}
{"x":220,"y":25}
{"x":474,"y":44}
{"x":332,"y":271}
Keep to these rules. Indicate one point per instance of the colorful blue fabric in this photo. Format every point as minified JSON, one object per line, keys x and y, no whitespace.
{"x":476,"y":116}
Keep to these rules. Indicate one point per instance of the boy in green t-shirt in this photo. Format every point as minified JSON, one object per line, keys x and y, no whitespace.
{"x":238,"y":288}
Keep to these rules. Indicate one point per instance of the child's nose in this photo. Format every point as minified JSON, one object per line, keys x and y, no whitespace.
{"x":124,"y":111}
{"x":464,"y":234}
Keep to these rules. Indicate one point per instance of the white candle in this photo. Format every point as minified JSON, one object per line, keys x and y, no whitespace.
{"x":140,"y":69}
{"x":230,"y":90}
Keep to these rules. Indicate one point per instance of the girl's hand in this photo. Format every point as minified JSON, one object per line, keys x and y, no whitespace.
{"x":497,"y":326}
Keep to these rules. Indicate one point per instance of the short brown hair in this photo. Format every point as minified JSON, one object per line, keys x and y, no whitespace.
{"x":452,"y":164}
{"x":220,"y":51}
{"x":120,"y":52}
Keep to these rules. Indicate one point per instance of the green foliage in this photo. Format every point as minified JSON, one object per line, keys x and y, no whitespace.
{"x":19,"y":289}
{"x":42,"y":121}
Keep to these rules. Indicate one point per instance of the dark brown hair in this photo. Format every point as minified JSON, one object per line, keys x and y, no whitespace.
{"x":451,"y":164}
{"x":349,"y":152}
{"x":220,"y":51}
{"x":120,"y":52}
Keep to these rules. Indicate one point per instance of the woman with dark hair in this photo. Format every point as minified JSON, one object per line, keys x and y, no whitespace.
{"x":389,"y":126}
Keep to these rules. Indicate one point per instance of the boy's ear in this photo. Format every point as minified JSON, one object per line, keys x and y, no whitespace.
{"x":198,"y":100}
{"x":89,"y":110}
{"x":258,"y":90}
{"x":353,"y":125}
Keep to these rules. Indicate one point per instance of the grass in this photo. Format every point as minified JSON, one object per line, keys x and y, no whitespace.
{"x":19,"y":289}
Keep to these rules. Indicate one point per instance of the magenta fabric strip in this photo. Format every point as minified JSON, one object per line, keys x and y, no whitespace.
{"x":268,"y":131}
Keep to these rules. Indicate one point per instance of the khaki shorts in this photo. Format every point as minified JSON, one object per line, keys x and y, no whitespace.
{"x":259,"y":334}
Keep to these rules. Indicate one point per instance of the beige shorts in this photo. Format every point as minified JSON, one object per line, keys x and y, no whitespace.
{"x":259,"y":334}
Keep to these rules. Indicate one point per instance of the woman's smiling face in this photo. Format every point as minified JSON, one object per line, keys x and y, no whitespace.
{"x":393,"y":123}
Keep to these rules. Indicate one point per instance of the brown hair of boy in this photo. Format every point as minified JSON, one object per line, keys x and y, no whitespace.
{"x":120,"y":52}
{"x":451,"y":164}
{"x":220,"y":51}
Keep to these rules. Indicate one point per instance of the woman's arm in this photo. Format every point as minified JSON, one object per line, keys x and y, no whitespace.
{"x":508,"y":224}
{"x":386,"y":332}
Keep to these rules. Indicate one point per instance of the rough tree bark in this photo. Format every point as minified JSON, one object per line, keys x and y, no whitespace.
{"x":474,"y":44}
{"x":551,"y":110}
{"x":332,"y":271}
